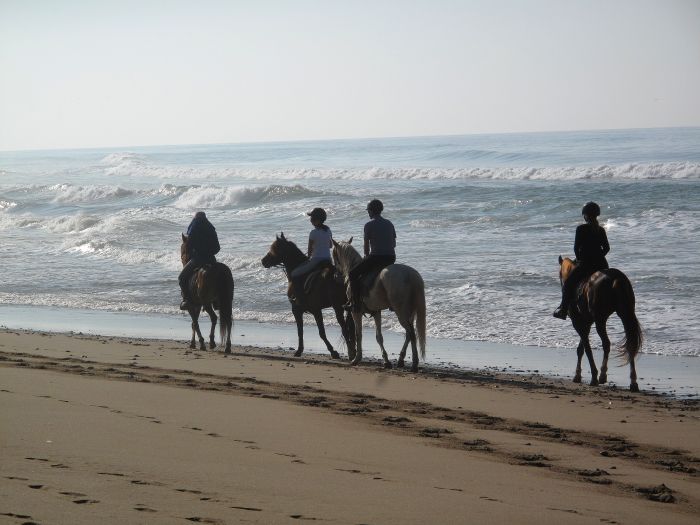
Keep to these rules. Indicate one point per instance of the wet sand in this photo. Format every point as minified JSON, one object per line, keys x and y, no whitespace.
{"x":118,"y":430}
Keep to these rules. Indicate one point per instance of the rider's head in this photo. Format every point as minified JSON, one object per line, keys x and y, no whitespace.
{"x":591,"y":210}
{"x":200,"y":215}
{"x":318,"y":214}
{"x":375,"y":207}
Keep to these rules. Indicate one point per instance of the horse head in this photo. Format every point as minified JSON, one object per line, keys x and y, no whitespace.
{"x":282,"y":252}
{"x":566,"y":266}
{"x":345,"y":255}
{"x":184,"y":255}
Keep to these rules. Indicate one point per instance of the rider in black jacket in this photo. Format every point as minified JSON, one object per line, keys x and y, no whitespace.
{"x":202,"y":245}
{"x":591,"y":246}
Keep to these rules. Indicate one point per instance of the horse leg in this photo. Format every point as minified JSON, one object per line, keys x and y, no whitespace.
{"x":214,"y":318}
{"x":343,"y":329}
{"x":380,"y":338}
{"x":603,"y":334}
{"x":322,"y":332}
{"x":299,"y":318}
{"x":634,"y":387}
{"x":357,"y":318}
{"x":579,"y":357}
{"x":402,"y":356}
{"x":589,"y":355}
{"x":410,"y":337}
{"x":194,"y":313}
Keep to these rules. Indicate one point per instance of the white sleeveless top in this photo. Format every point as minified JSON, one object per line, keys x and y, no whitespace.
{"x":321,"y":239}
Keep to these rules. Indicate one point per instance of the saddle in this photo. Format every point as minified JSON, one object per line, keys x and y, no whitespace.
{"x":317,"y":273}
{"x":367,"y":281}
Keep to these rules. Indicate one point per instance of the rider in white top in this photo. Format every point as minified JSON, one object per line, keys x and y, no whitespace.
{"x":319,"y":251}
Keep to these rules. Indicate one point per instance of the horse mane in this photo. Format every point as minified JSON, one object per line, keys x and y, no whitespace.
{"x":293,"y":250}
{"x":348,"y":254}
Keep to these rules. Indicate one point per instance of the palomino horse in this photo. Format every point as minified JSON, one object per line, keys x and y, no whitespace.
{"x":398,"y":287}
{"x":209,"y":286}
{"x":325,"y":292}
{"x":598,"y":297}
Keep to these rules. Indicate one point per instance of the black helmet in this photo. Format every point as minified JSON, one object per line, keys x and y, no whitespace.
{"x":318,"y":213}
{"x":375,"y":206}
{"x":591,"y":209}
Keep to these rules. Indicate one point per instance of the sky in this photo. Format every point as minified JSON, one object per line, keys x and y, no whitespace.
{"x":77,"y":74}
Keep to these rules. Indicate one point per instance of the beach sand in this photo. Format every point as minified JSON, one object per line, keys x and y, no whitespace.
{"x":97,"y":429}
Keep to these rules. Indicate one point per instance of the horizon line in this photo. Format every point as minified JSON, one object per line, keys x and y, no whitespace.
{"x":389,"y":137}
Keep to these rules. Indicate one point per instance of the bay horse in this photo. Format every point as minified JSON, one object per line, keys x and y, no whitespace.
{"x":324,"y":292}
{"x":397,"y":287}
{"x":210,"y":286}
{"x":598,"y":297}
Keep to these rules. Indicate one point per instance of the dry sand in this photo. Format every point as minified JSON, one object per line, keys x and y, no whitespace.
{"x":112,"y":430}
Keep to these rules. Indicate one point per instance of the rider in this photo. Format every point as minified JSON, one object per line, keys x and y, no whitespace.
{"x":319,"y":250}
{"x":379,"y":251}
{"x":591,"y":246}
{"x":202,"y":245}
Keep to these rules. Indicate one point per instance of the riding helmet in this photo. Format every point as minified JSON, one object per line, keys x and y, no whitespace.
{"x":318,"y":213}
{"x":375,"y":206}
{"x":591,"y":209}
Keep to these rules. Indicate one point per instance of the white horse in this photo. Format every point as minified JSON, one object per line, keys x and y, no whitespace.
{"x":398,"y":287}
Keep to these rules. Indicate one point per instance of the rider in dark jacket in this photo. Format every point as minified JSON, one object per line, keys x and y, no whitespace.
{"x":591,"y":246}
{"x":379,"y":250}
{"x":202,"y":245}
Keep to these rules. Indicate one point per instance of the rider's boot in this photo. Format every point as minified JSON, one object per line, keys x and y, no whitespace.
{"x":561,"y":311}
{"x":185,"y":304}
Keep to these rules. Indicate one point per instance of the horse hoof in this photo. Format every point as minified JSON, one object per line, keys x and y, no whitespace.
{"x":400,"y":364}
{"x":298,"y":353}
{"x":212,"y":346}
{"x":602,"y":379}
{"x":355,"y":362}
{"x":594,"y":382}
{"x":335,"y":355}
{"x":414,"y":368}
{"x":577,"y":379}
{"x":634,"y":387}
{"x":228,"y":350}
{"x":387,"y":366}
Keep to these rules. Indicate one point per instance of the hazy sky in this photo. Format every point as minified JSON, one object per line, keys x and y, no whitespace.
{"x":126,"y":73}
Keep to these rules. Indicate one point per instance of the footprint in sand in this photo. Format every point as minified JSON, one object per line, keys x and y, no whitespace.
{"x":143,"y":508}
{"x":251,"y":509}
{"x":36,"y":487}
{"x":198,"y":519}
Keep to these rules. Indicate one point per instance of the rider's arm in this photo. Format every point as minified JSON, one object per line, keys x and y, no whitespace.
{"x":310,"y":249}
{"x":605,"y":245}
{"x":366,"y":244}
{"x":578,"y":241}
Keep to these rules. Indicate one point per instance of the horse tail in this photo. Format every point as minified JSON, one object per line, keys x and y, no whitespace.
{"x":624,"y":306}
{"x":225,"y":297}
{"x":419,"y":309}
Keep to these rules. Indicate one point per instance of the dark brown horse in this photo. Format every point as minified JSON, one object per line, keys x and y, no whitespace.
{"x":598,"y":297}
{"x":210,"y":286}
{"x":325,"y":292}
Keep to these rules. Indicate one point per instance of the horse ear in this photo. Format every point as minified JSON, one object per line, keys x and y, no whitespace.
{"x":335,"y":243}
{"x":277,"y":237}
{"x":282,"y":234}
{"x":350,"y":240}
{"x":184,"y":238}
{"x":560,"y":260}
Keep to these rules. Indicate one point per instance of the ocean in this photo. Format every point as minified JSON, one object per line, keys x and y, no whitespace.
{"x":482,"y":217}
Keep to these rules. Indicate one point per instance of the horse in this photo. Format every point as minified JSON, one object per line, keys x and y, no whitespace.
{"x":209,"y":286}
{"x":324,"y":292}
{"x":598,"y":297}
{"x":397,"y":287}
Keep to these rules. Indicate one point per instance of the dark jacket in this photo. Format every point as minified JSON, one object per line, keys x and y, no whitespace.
{"x":591,"y":244}
{"x":203,"y":243}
